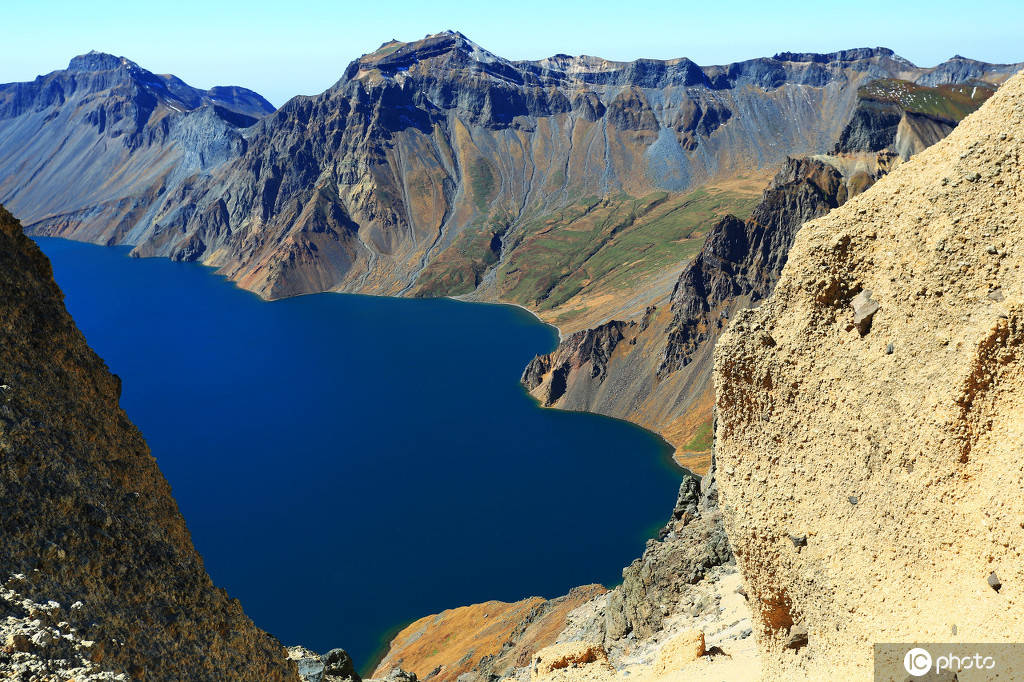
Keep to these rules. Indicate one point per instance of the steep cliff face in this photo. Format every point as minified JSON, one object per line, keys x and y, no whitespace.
{"x":656,"y":371}
{"x":88,"y":151}
{"x":92,"y":544}
{"x":871,"y":412}
{"x":436,"y":167}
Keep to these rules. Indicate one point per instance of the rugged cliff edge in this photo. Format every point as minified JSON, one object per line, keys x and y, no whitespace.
{"x":871,"y":414}
{"x":98,"y":570}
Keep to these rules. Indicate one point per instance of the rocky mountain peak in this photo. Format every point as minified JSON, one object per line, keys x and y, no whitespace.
{"x":397,"y":56}
{"x":100,"y":72}
{"x":99,"y":61}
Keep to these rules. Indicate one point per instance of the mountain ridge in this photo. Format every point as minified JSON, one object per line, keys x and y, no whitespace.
{"x":361,"y":187}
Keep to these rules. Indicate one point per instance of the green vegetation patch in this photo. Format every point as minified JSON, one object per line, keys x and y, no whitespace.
{"x":611,"y":242}
{"x":702,"y":438}
{"x":458,"y":269}
{"x":949,"y":102}
{"x":481,"y":183}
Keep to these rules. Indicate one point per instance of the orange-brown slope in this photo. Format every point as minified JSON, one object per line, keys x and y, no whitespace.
{"x":487,"y":638}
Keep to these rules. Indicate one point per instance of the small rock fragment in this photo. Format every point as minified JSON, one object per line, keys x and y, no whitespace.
{"x":853,"y":499}
{"x":797,"y":637}
{"x":396,"y":675}
{"x":18,"y":642}
{"x":43,"y":638}
{"x":864,"y":309}
{"x":996,"y":295}
{"x":994,"y":582}
{"x":798,"y":541}
{"x":889,"y":349}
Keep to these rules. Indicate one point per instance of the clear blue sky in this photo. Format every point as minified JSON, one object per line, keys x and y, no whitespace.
{"x":283,"y":48}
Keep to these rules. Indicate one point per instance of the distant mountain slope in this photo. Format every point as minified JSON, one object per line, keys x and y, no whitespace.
{"x":906,"y":117}
{"x":656,"y":370}
{"x":97,"y":568}
{"x":88,"y":151}
{"x":436,"y":167}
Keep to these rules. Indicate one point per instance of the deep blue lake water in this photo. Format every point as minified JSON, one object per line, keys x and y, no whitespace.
{"x":347,"y":464}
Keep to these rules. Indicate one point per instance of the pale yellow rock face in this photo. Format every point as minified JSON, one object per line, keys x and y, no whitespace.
{"x":897,"y":452}
{"x":678,"y":652}
{"x":569,"y":659}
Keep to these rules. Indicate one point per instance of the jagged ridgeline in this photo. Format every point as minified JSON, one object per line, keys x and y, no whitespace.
{"x":434,"y":167}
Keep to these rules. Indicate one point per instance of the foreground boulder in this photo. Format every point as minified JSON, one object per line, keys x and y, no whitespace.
{"x":886,"y":429}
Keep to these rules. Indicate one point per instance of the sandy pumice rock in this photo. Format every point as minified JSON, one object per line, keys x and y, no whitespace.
{"x":918,"y":414}
{"x":679,"y":651}
{"x":569,"y":655}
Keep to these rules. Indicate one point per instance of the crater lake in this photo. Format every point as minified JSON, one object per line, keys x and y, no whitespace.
{"x":347,"y":464}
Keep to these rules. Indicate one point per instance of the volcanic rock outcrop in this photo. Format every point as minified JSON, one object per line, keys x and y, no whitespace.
{"x":98,"y":570}
{"x":871,"y":474}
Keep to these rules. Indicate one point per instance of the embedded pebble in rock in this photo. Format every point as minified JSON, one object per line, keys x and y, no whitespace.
{"x":993,"y":581}
{"x":797,"y":637}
